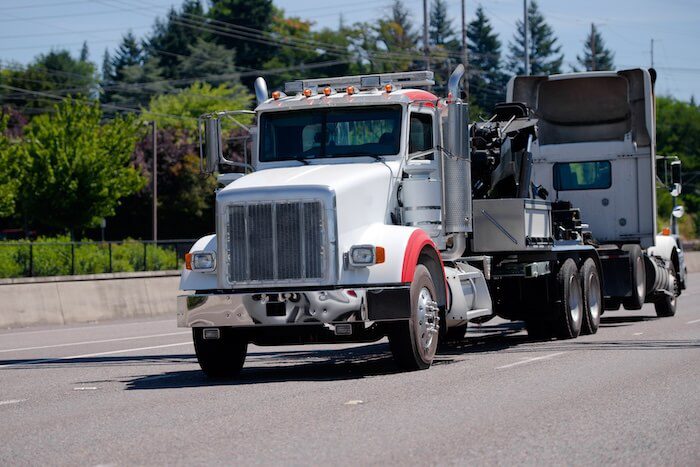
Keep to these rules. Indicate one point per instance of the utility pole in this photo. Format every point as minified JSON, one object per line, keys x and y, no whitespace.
{"x":527,"y":42}
{"x":155,"y":182}
{"x":593,"y":51}
{"x":426,"y":53}
{"x":652,"y":52}
{"x":465,"y":53}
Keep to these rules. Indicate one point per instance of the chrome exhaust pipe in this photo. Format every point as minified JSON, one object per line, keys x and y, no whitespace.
{"x":260,"y":86}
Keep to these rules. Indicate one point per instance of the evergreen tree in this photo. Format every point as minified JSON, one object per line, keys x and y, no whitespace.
{"x":242,"y":16}
{"x":129,"y":53}
{"x":596,"y":57}
{"x":84,"y":52}
{"x":545,"y":54}
{"x":486,"y":78}
{"x":138,"y":84}
{"x":396,"y":35}
{"x":107,"y":68}
{"x":440,"y":31}
{"x":172,"y":37}
{"x":206,"y":59}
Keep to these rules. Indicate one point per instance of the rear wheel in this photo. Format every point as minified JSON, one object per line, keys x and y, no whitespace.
{"x":567,"y":312}
{"x":222,"y":357}
{"x":666,"y":305}
{"x":414,"y":342}
{"x":639,"y":278}
{"x":592,"y":297}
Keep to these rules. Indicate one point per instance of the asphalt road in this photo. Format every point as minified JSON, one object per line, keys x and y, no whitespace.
{"x":131,"y":392}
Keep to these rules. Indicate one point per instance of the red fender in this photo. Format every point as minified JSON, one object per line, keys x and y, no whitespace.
{"x":416,"y":242}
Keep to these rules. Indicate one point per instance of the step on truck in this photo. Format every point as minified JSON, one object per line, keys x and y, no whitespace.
{"x":370,"y":208}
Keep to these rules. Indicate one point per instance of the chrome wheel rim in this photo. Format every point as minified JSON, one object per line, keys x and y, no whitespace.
{"x":594,"y":297}
{"x":427,"y":323}
{"x":574,"y":299}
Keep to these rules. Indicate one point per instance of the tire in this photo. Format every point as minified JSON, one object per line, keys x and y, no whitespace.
{"x":592,"y":292}
{"x":223,"y":357}
{"x":414,"y":342}
{"x":639,"y":278}
{"x":567,"y":312}
{"x":538,"y":329}
{"x":666,"y":306}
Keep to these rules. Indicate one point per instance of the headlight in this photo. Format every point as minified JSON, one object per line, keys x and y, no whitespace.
{"x":201,"y":261}
{"x":365,"y":255}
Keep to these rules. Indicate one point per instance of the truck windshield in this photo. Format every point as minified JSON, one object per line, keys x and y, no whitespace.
{"x":330,"y":132}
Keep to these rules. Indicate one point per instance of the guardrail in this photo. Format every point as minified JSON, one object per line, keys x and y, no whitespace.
{"x":38,"y":259}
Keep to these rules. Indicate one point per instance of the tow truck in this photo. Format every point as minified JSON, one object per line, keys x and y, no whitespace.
{"x":371,"y":207}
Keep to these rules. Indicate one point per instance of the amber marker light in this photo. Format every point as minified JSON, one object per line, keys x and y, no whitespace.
{"x":327,"y":91}
{"x":666,"y":231}
{"x":276,"y":95}
{"x":388,"y":88}
{"x":188,"y":261}
{"x":379,"y":255}
{"x":307,"y":92}
{"x":350,"y":90}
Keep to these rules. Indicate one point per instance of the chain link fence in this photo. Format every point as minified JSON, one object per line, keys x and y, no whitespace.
{"x":38,"y":259}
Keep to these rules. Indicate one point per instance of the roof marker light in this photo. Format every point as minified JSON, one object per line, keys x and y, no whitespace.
{"x":350,"y":90}
{"x":327,"y":91}
{"x":388,"y":87}
{"x":276,"y":95}
{"x":307,"y":92}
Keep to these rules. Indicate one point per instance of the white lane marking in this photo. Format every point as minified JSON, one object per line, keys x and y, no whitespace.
{"x":12,"y":401}
{"x":89,"y":355}
{"x":85,"y":388}
{"x":637,"y":333}
{"x":95,"y":342}
{"x":354,"y":402}
{"x":693,"y":321}
{"x":529,"y":360}
{"x":18,"y":332}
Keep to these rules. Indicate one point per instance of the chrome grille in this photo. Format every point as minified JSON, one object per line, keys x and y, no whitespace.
{"x":276,"y":241}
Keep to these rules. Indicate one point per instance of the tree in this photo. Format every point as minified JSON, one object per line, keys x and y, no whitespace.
{"x":128,"y":54}
{"x":398,"y":40}
{"x":84,"y":53}
{"x":10,"y":163}
{"x":78,"y":168}
{"x":208,"y":61}
{"x":440,"y":30}
{"x":241,"y":23}
{"x":486,"y":78}
{"x":56,"y":72}
{"x":545,"y":56}
{"x":596,"y":57}
{"x":172,"y":38}
{"x":180,"y":110}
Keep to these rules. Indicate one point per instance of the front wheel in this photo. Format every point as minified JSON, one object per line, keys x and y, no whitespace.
{"x":639,"y":278}
{"x":414,"y":342}
{"x":223,"y":357}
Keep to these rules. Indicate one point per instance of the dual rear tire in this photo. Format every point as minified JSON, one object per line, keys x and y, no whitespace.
{"x":577,"y":307}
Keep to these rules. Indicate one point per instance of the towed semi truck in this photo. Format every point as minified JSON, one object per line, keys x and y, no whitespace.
{"x":372,"y":208}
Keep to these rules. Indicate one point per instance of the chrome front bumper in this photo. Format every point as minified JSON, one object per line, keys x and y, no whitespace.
{"x":293,"y":308}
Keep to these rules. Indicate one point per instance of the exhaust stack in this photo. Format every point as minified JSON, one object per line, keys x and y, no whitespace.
{"x":456,"y":169}
{"x":261,"y":94}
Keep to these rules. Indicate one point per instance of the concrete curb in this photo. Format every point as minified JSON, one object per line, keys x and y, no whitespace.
{"x":80,"y":299}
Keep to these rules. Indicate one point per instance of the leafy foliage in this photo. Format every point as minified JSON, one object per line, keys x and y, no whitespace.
{"x":77,"y":167}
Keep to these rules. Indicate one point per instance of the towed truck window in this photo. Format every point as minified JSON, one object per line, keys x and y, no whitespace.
{"x":582,"y":176}
{"x":331,"y":132}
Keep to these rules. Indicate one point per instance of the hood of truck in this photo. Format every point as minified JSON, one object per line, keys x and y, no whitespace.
{"x":361,"y":190}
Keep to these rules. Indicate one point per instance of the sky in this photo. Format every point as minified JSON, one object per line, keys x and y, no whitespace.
{"x":30,"y":27}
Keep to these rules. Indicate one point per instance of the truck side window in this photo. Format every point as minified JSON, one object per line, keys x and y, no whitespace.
{"x":420,"y":136}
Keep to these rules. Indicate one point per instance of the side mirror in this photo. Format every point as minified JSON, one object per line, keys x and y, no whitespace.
{"x":212,"y":145}
{"x":676,"y":172}
{"x":678,"y":212}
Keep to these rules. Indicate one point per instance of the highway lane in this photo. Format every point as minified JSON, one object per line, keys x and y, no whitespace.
{"x":130,"y":393}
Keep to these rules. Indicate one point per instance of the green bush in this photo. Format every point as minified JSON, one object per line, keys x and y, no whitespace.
{"x":57,"y":257}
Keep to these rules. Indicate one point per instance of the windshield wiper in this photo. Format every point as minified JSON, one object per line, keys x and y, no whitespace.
{"x":376,"y":157}
{"x":301,"y":159}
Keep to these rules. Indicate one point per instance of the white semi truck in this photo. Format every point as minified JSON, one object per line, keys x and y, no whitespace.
{"x":371,"y":208}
